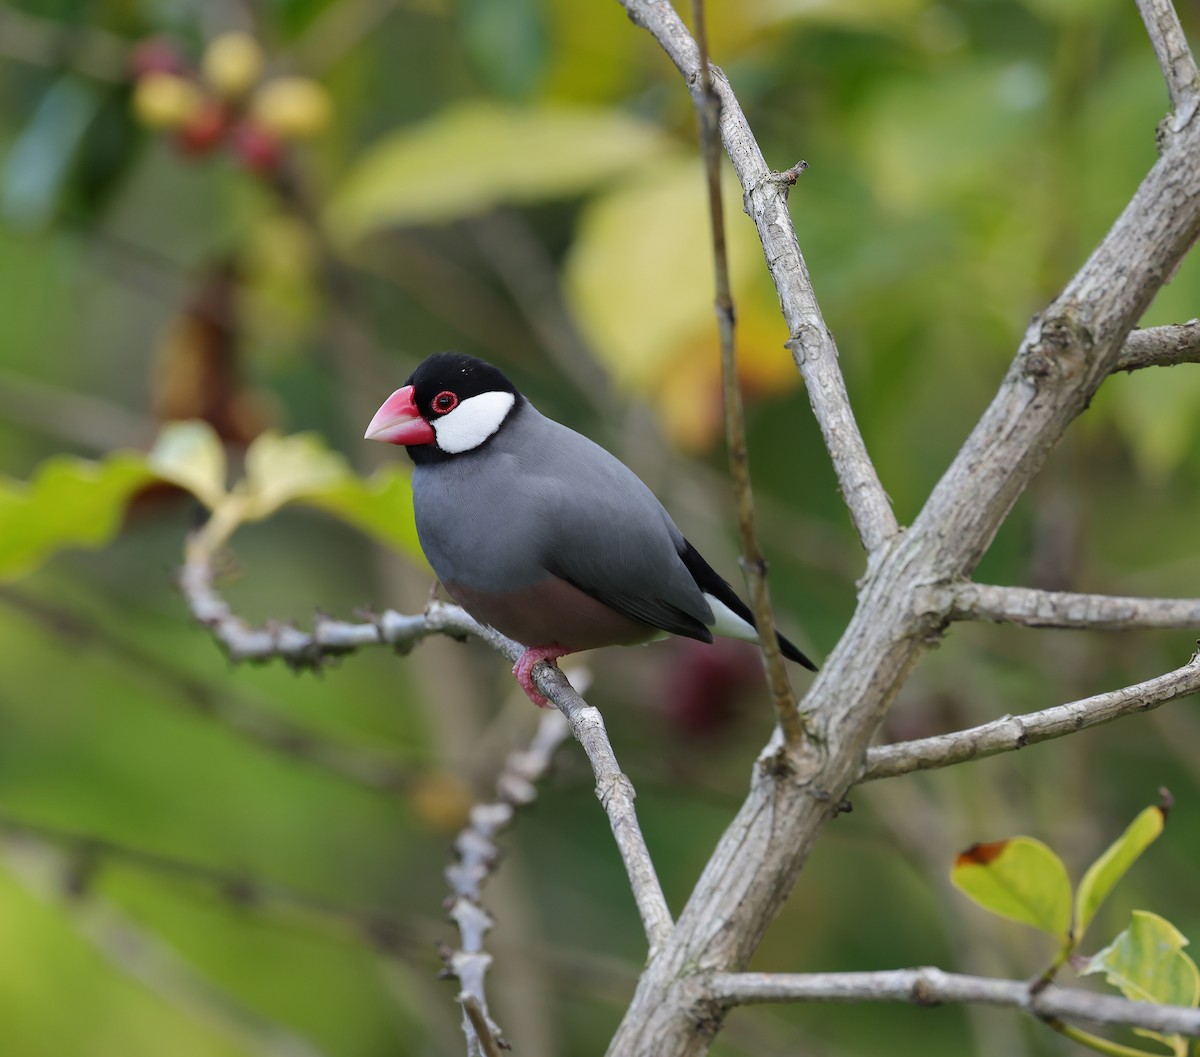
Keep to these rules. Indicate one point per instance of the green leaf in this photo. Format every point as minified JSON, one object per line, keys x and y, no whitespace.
{"x":1110,"y":867}
{"x":70,"y":502}
{"x":1147,"y":963}
{"x":190,"y":455}
{"x":381,"y":506}
{"x":1020,"y":879}
{"x":477,"y":155}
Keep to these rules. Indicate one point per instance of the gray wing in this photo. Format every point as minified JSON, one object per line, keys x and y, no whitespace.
{"x":598,"y":527}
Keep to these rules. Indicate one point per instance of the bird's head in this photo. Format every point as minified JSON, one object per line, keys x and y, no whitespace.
{"x":452,"y":403}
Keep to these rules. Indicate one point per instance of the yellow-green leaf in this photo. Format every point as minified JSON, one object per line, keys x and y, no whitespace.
{"x":190,"y":455}
{"x":1147,"y":963}
{"x":70,"y":502}
{"x":282,"y":469}
{"x":474,"y":156}
{"x":1110,"y":867}
{"x":301,"y":469}
{"x":1020,"y":879}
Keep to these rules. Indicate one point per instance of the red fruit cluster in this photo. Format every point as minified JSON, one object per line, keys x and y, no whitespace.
{"x":225,"y":102}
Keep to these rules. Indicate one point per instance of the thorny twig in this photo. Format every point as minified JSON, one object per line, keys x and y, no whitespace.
{"x":477,"y":854}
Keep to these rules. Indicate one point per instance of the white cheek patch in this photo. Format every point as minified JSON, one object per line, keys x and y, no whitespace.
{"x":472,"y":421}
{"x":728,"y":623}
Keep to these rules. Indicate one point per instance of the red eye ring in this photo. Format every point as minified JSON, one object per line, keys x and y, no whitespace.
{"x":444,"y":402}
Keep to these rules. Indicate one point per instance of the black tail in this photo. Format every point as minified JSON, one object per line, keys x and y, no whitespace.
{"x":711,"y":582}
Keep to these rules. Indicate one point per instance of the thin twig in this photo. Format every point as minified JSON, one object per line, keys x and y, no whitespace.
{"x":364,"y":767}
{"x":1174,"y":57}
{"x":1160,"y":347}
{"x":930,"y":987}
{"x":811,"y":343}
{"x":83,"y":854}
{"x":332,"y":638}
{"x":754,"y":563}
{"x":146,"y":958}
{"x":81,"y":419}
{"x":1010,"y":733}
{"x":477,"y":855}
{"x":1058,"y":609}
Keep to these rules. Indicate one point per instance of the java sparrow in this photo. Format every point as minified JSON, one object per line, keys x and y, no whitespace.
{"x":539,"y":532}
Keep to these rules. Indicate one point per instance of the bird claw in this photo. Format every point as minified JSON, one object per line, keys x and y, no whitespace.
{"x":523,"y":669}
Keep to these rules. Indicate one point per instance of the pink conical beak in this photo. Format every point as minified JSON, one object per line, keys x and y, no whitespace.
{"x":399,"y":422}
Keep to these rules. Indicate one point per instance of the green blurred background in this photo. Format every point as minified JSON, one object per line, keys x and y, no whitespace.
{"x":205,"y":860}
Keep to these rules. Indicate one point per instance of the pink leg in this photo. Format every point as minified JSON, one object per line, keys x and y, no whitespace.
{"x":523,"y":669}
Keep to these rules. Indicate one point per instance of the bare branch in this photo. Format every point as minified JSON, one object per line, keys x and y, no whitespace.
{"x":930,"y":987}
{"x":477,"y":855}
{"x":811,"y":344}
{"x":332,"y":638}
{"x":1174,"y":57}
{"x":1010,"y":733}
{"x":754,"y":562}
{"x":1058,"y":609}
{"x":1160,"y":347}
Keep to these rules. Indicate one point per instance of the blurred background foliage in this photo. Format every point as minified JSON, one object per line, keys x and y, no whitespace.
{"x":206,"y":861}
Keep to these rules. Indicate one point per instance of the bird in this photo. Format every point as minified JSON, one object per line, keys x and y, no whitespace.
{"x":541,"y":533}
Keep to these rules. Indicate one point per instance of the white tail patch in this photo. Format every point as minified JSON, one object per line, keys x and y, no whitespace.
{"x":728,"y":623}
{"x":472,"y":421}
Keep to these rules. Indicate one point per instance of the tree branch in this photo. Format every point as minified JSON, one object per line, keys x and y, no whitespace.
{"x":811,"y":344}
{"x":477,"y":855}
{"x":334,"y":638}
{"x":931,"y":987}
{"x":1010,"y":733}
{"x":1034,"y":608}
{"x":1160,"y":347}
{"x":1067,"y":353}
{"x":1174,"y":57}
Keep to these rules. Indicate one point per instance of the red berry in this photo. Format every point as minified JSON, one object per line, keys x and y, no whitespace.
{"x":204,"y":131}
{"x":257,"y":149}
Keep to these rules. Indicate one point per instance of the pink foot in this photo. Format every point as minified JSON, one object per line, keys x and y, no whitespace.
{"x":523,"y":669}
